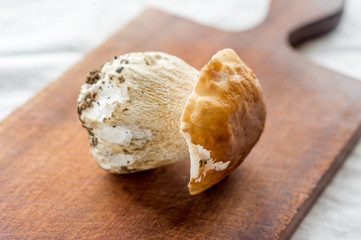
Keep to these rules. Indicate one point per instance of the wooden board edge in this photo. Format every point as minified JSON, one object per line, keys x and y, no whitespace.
{"x":321,"y":185}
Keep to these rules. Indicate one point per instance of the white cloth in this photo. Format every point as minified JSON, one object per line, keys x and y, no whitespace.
{"x":40,"y":39}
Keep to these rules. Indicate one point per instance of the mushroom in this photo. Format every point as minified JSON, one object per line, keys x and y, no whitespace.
{"x":222,"y":119}
{"x":146,"y":110}
{"x":131,"y":108}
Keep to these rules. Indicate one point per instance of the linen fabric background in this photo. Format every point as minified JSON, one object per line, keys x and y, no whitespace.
{"x":40,"y":39}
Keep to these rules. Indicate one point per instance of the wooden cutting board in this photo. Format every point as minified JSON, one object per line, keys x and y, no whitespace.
{"x":51,"y":188}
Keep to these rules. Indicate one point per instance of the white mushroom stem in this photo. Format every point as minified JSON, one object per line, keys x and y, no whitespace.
{"x":131,"y":108}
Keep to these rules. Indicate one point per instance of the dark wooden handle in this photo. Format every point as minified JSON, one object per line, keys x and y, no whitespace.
{"x":301,"y":20}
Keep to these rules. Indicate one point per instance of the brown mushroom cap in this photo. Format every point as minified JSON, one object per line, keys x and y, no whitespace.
{"x":222,"y":120}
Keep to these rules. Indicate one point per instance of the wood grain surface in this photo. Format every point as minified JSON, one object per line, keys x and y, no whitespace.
{"x":51,"y":187}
